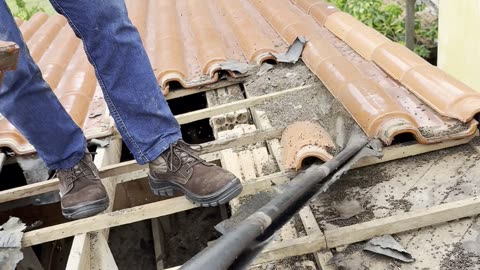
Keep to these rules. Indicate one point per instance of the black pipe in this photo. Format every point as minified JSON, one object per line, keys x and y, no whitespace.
{"x":238,"y":247}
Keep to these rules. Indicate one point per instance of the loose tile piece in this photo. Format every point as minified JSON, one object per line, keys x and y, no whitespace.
{"x":305,"y":139}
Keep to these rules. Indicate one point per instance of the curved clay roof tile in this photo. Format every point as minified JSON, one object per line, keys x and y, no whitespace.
{"x":305,"y":139}
{"x":446,"y":95}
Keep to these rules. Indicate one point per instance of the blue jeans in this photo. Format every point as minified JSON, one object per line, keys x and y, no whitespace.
{"x":123,"y":70}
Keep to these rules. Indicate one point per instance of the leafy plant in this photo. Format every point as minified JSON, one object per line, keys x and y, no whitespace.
{"x":24,"y":10}
{"x":389,"y":20}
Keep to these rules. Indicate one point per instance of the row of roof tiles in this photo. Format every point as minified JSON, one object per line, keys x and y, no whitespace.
{"x":188,"y":41}
{"x":385,"y":87}
{"x":383,"y":108}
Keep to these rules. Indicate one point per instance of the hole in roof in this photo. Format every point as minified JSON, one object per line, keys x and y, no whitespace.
{"x":404,"y":138}
{"x":309,"y":161}
{"x":188,"y":103}
{"x":175,"y":85}
{"x":196,"y":132}
{"x":270,"y":61}
{"x":126,"y":154}
{"x":11,"y":177}
{"x":477,"y":117}
{"x":242,"y":88}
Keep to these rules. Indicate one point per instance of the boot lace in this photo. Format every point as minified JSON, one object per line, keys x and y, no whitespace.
{"x":82,"y":169}
{"x":185,"y":153}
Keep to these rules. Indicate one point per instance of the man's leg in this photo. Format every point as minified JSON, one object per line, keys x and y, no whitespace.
{"x":123,"y":69}
{"x":29,"y":104}
{"x":149,"y":129}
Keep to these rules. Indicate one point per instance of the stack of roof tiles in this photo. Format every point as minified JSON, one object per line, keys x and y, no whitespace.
{"x":386,"y":88}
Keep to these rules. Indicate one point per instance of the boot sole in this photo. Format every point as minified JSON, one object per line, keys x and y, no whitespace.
{"x":87,"y":210}
{"x":226,"y":194}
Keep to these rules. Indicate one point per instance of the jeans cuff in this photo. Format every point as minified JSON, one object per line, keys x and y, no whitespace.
{"x":155,"y":151}
{"x":68,"y":163}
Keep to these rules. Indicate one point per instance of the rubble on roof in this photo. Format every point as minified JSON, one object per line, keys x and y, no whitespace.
{"x":11,"y":233}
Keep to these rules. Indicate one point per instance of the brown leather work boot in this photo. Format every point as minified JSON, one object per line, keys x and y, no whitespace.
{"x":203,"y":183}
{"x":81,"y":191}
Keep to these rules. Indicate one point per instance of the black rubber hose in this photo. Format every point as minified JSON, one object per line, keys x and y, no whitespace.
{"x":241,"y":245}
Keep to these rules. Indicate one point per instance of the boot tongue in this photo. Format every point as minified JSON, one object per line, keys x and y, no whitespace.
{"x":185,"y":156}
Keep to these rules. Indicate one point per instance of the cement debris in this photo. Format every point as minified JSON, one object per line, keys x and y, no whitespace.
{"x":348,"y":208}
{"x":373,"y":149}
{"x":293,"y":53}
{"x":236,"y":67}
{"x":386,"y":245}
{"x":11,"y":234}
{"x":264,"y":68}
{"x":35,"y":170}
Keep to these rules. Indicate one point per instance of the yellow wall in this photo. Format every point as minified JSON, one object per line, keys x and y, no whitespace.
{"x":459,"y":40}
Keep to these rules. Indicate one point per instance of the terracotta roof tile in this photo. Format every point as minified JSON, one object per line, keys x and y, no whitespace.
{"x":446,"y":95}
{"x":385,"y":87}
{"x":442,"y":92}
{"x":188,"y":40}
{"x":305,"y":139}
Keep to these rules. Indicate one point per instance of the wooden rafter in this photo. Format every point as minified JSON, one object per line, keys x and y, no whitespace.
{"x":132,"y":166}
{"x":367,"y":230}
{"x":134,"y":214}
{"x":97,"y":249}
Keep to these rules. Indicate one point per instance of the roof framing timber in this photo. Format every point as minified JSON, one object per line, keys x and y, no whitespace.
{"x":98,"y":252}
{"x":131,"y":167}
{"x":364,"y":231}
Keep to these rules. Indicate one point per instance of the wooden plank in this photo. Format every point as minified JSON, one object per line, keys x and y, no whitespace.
{"x":407,"y":185}
{"x":173,"y":94}
{"x":134,"y":214}
{"x":132,"y":166}
{"x":311,"y":227}
{"x":105,"y":156}
{"x":407,"y":150}
{"x":158,"y":243}
{"x":367,"y":230}
{"x":101,"y":256}
{"x":79,"y":258}
{"x":233,"y":106}
{"x":108,"y":156}
{"x":390,"y":153}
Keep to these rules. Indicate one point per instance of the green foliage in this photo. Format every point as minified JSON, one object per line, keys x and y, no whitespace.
{"x":388,"y":19}
{"x":24,"y":10}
